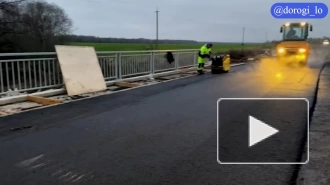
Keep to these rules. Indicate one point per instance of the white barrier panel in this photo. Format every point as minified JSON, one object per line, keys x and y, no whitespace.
{"x":80,"y":69}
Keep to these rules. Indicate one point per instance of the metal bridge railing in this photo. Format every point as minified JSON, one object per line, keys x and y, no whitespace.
{"x":32,"y":72}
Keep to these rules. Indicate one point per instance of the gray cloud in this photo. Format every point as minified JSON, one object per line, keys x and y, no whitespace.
{"x":208,"y":20}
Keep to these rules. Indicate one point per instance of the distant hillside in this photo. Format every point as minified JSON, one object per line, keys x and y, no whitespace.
{"x":93,"y":39}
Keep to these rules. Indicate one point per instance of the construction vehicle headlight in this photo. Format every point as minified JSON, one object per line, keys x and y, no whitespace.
{"x":281,"y":50}
{"x":302,"y":50}
{"x":303,"y":24}
{"x":278,"y":75}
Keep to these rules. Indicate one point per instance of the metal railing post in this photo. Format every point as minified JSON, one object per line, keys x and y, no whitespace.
{"x":2,"y":87}
{"x":152,"y":63}
{"x":116,"y":66}
{"x":177,"y":60}
{"x":119,"y":65}
{"x":195,"y":58}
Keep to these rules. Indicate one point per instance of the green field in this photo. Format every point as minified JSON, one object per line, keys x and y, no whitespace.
{"x":138,"y":47}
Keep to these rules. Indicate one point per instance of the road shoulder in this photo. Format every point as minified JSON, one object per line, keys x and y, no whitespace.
{"x":317,"y":170}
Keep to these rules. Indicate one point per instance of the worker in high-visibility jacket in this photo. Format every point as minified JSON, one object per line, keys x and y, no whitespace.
{"x":203,"y":54}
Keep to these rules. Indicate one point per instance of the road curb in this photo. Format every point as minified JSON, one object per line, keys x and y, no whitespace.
{"x":317,"y":170}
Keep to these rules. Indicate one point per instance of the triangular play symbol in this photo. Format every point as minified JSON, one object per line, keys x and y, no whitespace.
{"x":259,"y":131}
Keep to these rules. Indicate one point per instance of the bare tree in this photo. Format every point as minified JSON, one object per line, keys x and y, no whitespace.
{"x":8,"y":5}
{"x":32,"y":25}
{"x":44,"y":22}
{"x":9,"y":16}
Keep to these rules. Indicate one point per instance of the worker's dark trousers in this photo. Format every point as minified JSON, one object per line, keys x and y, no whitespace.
{"x":200,"y":68}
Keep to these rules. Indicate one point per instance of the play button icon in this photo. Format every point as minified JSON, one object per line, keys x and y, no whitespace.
{"x":262,"y":131}
{"x":259,"y":131}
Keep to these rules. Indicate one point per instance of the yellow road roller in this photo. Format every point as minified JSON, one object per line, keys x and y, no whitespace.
{"x":294,"y":48}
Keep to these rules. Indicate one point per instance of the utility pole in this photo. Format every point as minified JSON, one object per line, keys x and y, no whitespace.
{"x":157,"y":28}
{"x":243,"y":40}
{"x":243,"y":35}
{"x":266,"y":37}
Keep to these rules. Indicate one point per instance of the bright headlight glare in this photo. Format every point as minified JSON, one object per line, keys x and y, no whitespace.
{"x":281,"y":50}
{"x":301,"y":50}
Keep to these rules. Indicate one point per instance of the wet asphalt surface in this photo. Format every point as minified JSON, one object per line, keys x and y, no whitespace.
{"x":160,"y":134}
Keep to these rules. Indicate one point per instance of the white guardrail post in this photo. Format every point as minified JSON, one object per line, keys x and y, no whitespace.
{"x":195,"y":58}
{"x":177,"y":60}
{"x":119,"y":65}
{"x":116,"y":67}
{"x":152,"y":63}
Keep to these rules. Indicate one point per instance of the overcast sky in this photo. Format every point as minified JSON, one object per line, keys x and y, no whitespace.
{"x":201,"y":20}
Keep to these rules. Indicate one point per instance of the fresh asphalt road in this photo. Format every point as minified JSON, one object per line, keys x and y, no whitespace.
{"x":159,"y":134}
